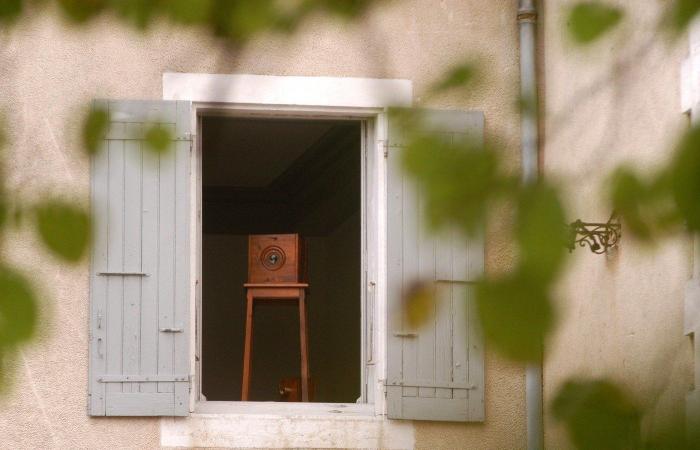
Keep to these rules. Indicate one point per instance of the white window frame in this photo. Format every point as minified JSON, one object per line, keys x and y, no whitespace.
{"x":362,"y":99}
{"x":690,"y":104}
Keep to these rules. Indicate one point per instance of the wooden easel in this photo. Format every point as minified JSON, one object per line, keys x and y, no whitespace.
{"x":275,"y":291}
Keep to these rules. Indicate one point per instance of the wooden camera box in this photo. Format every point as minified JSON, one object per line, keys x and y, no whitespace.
{"x":276,"y":258}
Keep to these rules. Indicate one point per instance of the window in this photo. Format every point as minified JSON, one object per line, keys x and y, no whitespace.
{"x":277,"y":176}
{"x":147,"y":313}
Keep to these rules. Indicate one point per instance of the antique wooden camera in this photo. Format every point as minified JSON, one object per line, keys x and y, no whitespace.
{"x":276,"y":258}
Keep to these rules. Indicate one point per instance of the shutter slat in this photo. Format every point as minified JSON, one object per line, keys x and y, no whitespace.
{"x":141,"y":214}
{"x":98,"y":285}
{"x":166,"y":272}
{"x":444,"y":317}
{"x":426,"y":341}
{"x":436,"y":371}
{"x":394,"y":278}
{"x":181,"y":357}
{"x":115,"y":260}
{"x":132,"y":258}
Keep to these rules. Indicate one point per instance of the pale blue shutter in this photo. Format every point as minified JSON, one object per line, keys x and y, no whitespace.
{"x":139,"y":275}
{"x":437,"y":371}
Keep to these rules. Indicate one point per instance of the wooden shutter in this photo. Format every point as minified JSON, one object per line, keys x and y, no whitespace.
{"x":139,"y":280}
{"x":435,"y":372}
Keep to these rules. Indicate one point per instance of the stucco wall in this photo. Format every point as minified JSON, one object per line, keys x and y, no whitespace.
{"x":49,"y":72}
{"x":620,"y":316}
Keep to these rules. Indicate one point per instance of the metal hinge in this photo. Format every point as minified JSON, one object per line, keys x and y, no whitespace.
{"x":384,"y":144}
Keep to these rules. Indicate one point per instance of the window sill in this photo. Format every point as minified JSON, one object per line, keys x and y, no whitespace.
{"x":285,"y":425}
{"x":285,"y":409}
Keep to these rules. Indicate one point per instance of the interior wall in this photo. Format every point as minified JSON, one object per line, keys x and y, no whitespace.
{"x":333,"y":312}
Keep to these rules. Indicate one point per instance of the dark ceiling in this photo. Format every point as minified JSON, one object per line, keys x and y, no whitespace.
{"x":279,"y":176}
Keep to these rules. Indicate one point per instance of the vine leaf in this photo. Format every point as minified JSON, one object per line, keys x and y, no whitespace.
{"x":589,"y":21}
{"x":95,"y":127}
{"x":64,"y":228}
{"x":18,"y":308}
{"x":597,"y":415}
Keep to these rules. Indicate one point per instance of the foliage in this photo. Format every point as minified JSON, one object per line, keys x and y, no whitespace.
{"x":95,"y":127}
{"x":598,"y":415}
{"x":589,"y":21}
{"x":64,"y":228}
{"x":463,"y":182}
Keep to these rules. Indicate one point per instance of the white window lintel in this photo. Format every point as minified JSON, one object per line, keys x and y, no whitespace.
{"x":288,"y":90}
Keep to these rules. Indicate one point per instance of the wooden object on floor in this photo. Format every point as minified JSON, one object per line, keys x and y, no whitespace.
{"x":276,"y":269}
{"x":290,"y":389}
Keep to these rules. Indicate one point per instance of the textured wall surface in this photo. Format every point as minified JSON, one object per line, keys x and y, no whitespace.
{"x":49,"y":72}
{"x":622,"y":315}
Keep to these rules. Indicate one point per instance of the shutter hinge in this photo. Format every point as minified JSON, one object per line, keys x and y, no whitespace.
{"x":384,"y":144}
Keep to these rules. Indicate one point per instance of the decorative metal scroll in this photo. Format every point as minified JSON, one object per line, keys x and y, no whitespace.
{"x":599,"y":237}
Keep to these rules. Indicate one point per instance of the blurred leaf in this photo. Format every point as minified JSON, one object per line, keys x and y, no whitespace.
{"x":685,"y":178}
{"x":458,"y":179}
{"x":4,"y":211}
{"x":343,"y":8}
{"x":680,"y":14}
{"x":190,"y":11}
{"x":64,"y":229}
{"x":139,"y":12}
{"x":18,"y":308}
{"x":458,"y":76}
{"x":420,"y":303}
{"x":243,"y":18}
{"x":541,"y":231}
{"x":81,"y":11}
{"x":597,"y":415}
{"x":527,"y":105}
{"x":95,"y":128}
{"x":590,"y":20}
{"x":10,"y":10}
{"x":158,"y":139}
{"x":516,"y":315}
{"x":629,"y":195}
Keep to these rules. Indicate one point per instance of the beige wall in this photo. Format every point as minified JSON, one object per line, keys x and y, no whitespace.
{"x":47,"y":75}
{"x":621,"y":316}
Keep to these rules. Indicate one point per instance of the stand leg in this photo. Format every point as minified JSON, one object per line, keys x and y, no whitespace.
{"x":247,"y":351}
{"x":304,"y":347}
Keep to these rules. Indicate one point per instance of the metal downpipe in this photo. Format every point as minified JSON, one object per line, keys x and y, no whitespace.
{"x":527,"y":24}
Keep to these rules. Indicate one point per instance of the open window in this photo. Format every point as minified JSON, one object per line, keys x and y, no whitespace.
{"x":337,"y":182}
{"x":281,"y":176}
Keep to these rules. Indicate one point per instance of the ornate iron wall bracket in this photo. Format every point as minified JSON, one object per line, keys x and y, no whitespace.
{"x":599,"y":237}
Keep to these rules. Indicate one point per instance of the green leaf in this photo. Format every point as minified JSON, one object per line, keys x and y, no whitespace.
{"x":629,"y":197}
{"x":597,"y":415}
{"x":541,"y":231}
{"x":80,"y":11}
{"x":685,"y":178}
{"x":516,"y":314}
{"x":190,"y":11}
{"x":95,"y":128}
{"x":4,"y":209}
{"x":64,"y":228}
{"x":10,"y":10}
{"x":420,"y":303}
{"x":458,"y":76}
{"x":18,"y":308}
{"x":139,"y":12}
{"x":459,"y":179}
{"x":680,"y":14}
{"x":158,"y":139}
{"x":588,"y":21}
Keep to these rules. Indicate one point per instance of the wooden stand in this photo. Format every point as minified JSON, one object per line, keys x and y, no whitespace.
{"x":275,"y":291}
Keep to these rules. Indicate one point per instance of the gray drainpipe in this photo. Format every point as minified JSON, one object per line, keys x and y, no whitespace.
{"x":527,"y":22}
